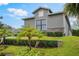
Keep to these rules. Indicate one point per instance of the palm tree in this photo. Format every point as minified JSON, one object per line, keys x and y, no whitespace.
{"x":1,"y":40}
{"x":72,"y":9}
{"x":39,"y":35}
{"x":4,"y":32}
{"x":29,"y":32}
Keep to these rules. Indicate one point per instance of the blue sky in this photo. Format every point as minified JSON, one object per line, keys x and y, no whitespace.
{"x":14,"y":12}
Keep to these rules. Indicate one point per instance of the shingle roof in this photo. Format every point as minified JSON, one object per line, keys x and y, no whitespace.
{"x":42,"y":8}
{"x":51,"y":14}
{"x":30,"y":18}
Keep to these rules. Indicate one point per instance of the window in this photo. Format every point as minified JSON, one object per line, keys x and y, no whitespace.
{"x":43,"y":21}
{"x":41,"y":24}
{"x":40,"y":13}
{"x":38,"y":22}
{"x":44,"y":27}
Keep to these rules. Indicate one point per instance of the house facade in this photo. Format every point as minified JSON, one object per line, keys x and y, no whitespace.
{"x":45,"y":20}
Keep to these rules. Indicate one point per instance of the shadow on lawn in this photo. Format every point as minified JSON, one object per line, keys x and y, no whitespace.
{"x":42,"y":43}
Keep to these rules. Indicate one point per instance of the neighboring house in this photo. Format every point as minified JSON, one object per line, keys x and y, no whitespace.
{"x":44,"y":19}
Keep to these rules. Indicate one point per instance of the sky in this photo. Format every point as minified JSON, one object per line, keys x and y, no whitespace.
{"x":14,"y":12}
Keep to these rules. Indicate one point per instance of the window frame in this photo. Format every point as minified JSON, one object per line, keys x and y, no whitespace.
{"x":41,"y":24}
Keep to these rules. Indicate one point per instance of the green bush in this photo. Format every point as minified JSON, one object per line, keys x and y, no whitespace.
{"x":42,"y":43}
{"x":47,"y":44}
{"x":15,"y":42}
{"x":4,"y":53}
{"x":75,"y":32}
{"x":55,"y":34}
{"x":2,"y":47}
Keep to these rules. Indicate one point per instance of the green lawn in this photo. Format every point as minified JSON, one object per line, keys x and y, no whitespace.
{"x":70,"y":48}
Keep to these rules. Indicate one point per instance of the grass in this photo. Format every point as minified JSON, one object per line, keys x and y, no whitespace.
{"x":70,"y":47}
{"x":21,"y":51}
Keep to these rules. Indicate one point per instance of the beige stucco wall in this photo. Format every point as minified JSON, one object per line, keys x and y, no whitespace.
{"x":58,"y":23}
{"x":55,"y":29}
{"x":55,"y":21}
{"x":30,"y":22}
{"x":45,"y":13}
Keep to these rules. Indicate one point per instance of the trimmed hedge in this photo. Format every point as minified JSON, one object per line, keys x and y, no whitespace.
{"x":55,"y":34}
{"x":75,"y":32}
{"x":42,"y":43}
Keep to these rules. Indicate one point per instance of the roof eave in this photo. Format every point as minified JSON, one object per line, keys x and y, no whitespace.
{"x":41,"y":8}
{"x":56,"y":13}
{"x":28,"y":18}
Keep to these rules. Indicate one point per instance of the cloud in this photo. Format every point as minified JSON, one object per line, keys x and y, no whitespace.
{"x":3,"y":4}
{"x":11,"y":15}
{"x":17,"y":12}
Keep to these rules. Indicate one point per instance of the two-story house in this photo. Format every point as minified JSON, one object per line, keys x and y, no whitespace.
{"x":44,"y":19}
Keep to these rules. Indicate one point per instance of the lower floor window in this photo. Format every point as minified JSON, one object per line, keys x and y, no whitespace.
{"x":41,"y":27}
{"x":44,"y":27}
{"x":41,"y":24}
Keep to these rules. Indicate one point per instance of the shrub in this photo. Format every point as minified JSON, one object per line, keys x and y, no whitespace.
{"x":58,"y":34}
{"x":55,"y":34}
{"x":2,"y":47}
{"x":30,"y":32}
{"x":42,"y":43}
{"x":75,"y":32}
{"x":4,"y":53}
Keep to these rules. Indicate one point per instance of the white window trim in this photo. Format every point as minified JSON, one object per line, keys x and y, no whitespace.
{"x":41,"y":14}
{"x":46,"y":24}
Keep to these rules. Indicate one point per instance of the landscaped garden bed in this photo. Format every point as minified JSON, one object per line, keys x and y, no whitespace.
{"x":42,"y":43}
{"x":70,"y":47}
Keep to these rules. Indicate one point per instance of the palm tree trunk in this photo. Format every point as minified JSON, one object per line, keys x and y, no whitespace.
{"x":36,"y":45}
{"x":4,"y":40}
{"x":1,"y":40}
{"x":77,"y":20}
{"x":29,"y":42}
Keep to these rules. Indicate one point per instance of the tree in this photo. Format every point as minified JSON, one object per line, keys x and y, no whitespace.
{"x":0,"y":22}
{"x":4,"y":32}
{"x":29,"y":32}
{"x":72,"y":9}
{"x":39,"y":35}
{"x":1,"y":34}
{"x":1,"y":25}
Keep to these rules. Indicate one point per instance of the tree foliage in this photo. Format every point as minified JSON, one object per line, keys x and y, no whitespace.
{"x":4,"y":32}
{"x":72,"y":9}
{"x":29,"y":32}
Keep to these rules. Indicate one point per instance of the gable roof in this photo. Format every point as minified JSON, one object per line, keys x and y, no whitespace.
{"x":42,"y":8}
{"x":58,"y":13}
{"x":30,"y":18}
{"x":51,"y":14}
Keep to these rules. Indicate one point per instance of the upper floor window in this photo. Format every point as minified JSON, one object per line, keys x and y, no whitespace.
{"x":41,"y":13}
